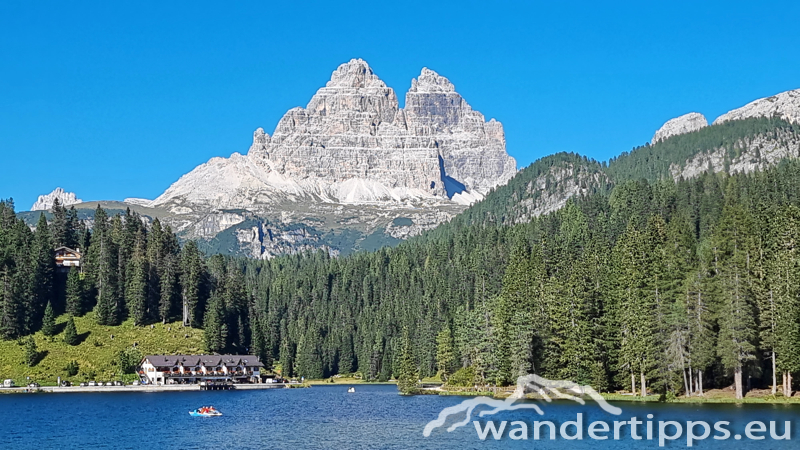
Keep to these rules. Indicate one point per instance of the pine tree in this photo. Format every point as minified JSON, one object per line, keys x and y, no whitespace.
{"x":43,"y":263}
{"x":76,"y":297}
{"x":634,"y":307}
{"x":260,"y":344}
{"x":136,"y":290}
{"x":71,"y":333}
{"x":407,"y":379}
{"x":783,"y":310}
{"x":49,"y":321}
{"x":738,"y":333}
{"x":74,"y":231}
{"x":59,"y":225}
{"x":445,"y":358}
{"x":104,"y":270}
{"x":309,"y":361}
{"x":286,"y":358}
{"x":215,"y":328}
{"x":31,"y":352}
{"x":193,"y":278}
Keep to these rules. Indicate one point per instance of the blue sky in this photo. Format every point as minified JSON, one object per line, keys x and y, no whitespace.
{"x":113,"y":100}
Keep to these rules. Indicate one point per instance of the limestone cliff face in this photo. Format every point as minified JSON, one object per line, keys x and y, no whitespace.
{"x":353,"y":128}
{"x":785,"y":105}
{"x":352,"y":145}
{"x":680,"y":125}
{"x":45,"y":202}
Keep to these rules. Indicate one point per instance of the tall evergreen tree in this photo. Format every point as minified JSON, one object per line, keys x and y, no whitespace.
{"x":49,"y":321}
{"x":43,"y":264}
{"x":738,"y":333}
{"x":76,"y":297}
{"x":71,"y":333}
{"x":407,"y":378}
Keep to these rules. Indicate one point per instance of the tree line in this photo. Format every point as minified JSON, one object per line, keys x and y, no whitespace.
{"x":671,"y":287}
{"x":128,"y":270}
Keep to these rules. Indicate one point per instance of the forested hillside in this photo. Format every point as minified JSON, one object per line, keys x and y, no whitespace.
{"x":545,"y":185}
{"x":664,"y":284}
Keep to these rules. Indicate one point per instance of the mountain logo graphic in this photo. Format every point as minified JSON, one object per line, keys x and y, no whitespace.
{"x":546,"y":389}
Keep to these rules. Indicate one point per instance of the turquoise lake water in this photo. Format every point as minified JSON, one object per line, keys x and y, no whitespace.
{"x":327,"y":417}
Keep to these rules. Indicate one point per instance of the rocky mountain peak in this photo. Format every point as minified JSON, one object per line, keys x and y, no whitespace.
{"x":355,"y":74}
{"x":430,"y":81}
{"x":260,"y":143}
{"x":352,"y":157}
{"x":45,"y":202}
{"x":680,"y":125}
{"x":785,"y":105}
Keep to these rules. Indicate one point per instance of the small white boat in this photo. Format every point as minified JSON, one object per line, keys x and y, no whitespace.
{"x":350,"y":390}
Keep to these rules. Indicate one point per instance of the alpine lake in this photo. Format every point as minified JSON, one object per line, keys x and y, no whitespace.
{"x":327,"y":417}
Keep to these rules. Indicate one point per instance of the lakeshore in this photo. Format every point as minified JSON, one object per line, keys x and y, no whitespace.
{"x":139,"y":388}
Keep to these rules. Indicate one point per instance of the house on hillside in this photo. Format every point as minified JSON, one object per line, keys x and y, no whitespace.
{"x":67,"y":257}
{"x":182,"y":369}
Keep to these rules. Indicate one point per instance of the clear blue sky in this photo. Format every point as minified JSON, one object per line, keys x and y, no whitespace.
{"x":113,"y":101}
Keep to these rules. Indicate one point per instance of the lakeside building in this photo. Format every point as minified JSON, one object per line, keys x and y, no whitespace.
{"x":182,"y":369}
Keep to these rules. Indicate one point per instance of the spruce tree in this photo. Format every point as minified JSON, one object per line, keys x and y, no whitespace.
{"x":49,"y":321}
{"x":31,"y":352}
{"x":76,"y":297}
{"x":103,"y":268}
{"x":43,"y":263}
{"x":784,"y":280}
{"x":407,"y":379}
{"x":215,"y":328}
{"x":445,"y":358}
{"x":136,"y":290}
{"x":738,"y":333}
{"x":71,"y":333}
{"x":193,"y":277}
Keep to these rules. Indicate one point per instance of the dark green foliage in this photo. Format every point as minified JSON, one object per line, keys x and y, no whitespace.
{"x":72,"y":368}
{"x":76,"y":295}
{"x":49,"y":321}
{"x":647,"y":281}
{"x":31,"y":352}
{"x":126,"y":271}
{"x":408,"y":376}
{"x":215,"y":326}
{"x":71,"y":333}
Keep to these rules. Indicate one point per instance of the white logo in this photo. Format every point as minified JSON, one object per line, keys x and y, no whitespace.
{"x":546,"y":389}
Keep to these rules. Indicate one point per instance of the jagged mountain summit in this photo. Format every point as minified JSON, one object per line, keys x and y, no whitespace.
{"x":353,"y":144}
{"x":45,"y":202}
{"x":352,"y":158}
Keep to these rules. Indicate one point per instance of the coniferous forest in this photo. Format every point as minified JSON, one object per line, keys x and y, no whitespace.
{"x":675,"y":287}
{"x":678,"y":287}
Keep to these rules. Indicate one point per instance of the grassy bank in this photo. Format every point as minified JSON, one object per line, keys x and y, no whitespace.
{"x":97,"y":352}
